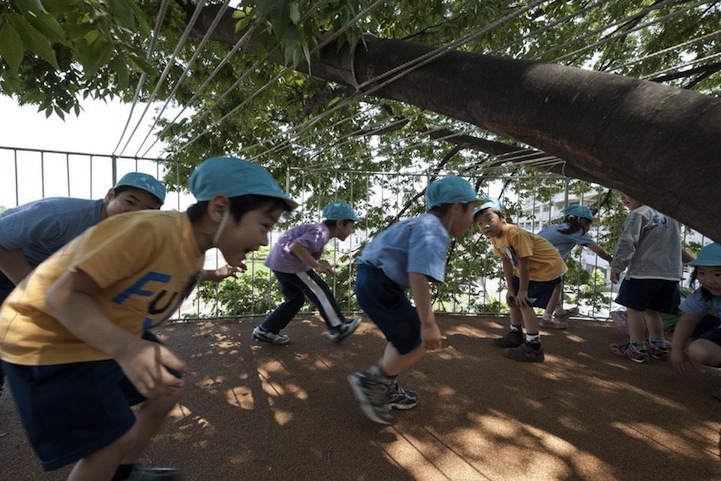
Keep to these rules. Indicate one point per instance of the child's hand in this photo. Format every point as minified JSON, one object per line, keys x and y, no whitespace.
{"x":324,"y":268}
{"x":522,"y":299}
{"x":145,"y":363}
{"x":430,"y":336}
{"x":680,"y":360}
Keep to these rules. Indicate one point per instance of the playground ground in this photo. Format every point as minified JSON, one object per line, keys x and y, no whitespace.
{"x":255,"y":412}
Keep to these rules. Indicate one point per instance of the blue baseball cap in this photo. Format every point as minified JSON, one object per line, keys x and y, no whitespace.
{"x":489,"y":202}
{"x":145,"y":182}
{"x":709,"y":256}
{"x":232,"y":176}
{"x":339,"y":211}
{"x":448,"y":190}
{"x":579,"y":211}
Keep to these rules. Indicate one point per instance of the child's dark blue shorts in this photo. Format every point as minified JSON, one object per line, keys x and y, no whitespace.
{"x":541,"y":291}
{"x":389,"y":308}
{"x":70,"y":411}
{"x":656,"y":294}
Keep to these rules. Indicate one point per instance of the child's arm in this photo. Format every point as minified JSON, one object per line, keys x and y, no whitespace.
{"x":681,"y":337}
{"x":686,"y":256}
{"x":14,"y":265}
{"x":421,"y":292}
{"x":70,"y":301}
{"x":217,"y":275}
{"x":600,"y":252}
{"x":304,"y":254}
{"x":522,"y":298}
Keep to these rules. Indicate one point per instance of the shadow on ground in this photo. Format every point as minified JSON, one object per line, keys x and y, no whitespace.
{"x":257,"y":412}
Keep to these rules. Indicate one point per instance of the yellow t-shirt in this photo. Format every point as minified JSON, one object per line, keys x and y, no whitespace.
{"x":544,"y":261}
{"x":145,"y":262}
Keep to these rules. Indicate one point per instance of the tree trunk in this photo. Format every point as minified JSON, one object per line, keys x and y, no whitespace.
{"x":656,"y":143}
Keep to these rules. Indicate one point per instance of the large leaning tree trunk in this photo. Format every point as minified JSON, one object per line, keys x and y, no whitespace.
{"x":659,"y":144}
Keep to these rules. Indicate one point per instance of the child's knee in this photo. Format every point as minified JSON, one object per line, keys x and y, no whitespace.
{"x":705,"y":353}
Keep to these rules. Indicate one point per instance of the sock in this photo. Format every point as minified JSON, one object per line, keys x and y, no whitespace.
{"x":516,"y":328}
{"x":547,"y":317}
{"x":123,"y":472}
{"x":657,"y":341}
{"x":534,"y":339}
{"x":637,"y":346}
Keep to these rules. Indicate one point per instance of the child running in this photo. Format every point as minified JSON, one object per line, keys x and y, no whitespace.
{"x":703,"y":307}
{"x":572,"y":232}
{"x":70,"y":333}
{"x":532,"y":267}
{"x":408,"y":255}
{"x":294,"y":260}
{"x":649,"y":250}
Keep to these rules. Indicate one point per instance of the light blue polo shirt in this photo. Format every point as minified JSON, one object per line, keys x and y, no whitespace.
{"x":42,"y":227}
{"x":695,"y":305}
{"x":565,"y":242}
{"x":414,"y":245}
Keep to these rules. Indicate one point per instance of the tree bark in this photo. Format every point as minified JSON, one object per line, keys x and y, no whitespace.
{"x":656,"y":143}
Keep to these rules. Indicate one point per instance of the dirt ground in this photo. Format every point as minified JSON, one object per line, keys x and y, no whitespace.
{"x":256,"y":412}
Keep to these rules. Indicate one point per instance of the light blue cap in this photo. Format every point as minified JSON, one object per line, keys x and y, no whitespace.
{"x":145,"y":182}
{"x":232,"y":177}
{"x":489,"y":202}
{"x":579,"y":211}
{"x":448,"y":190}
{"x":709,"y":256}
{"x":339,"y":211}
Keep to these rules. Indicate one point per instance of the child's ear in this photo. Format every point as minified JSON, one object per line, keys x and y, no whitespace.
{"x":217,"y":206}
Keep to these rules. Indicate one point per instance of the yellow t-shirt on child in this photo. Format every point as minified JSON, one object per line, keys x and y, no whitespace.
{"x":146,"y":263}
{"x":544,"y":261}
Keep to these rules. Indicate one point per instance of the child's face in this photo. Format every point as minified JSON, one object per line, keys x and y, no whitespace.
{"x":240,"y":238}
{"x":130,"y":200}
{"x":344,"y":230}
{"x":462,"y":219}
{"x":710,"y":278}
{"x":630,"y":202}
{"x":490,"y":223}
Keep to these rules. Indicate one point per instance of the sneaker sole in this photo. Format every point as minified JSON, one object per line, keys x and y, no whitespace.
{"x":366,"y":407}
{"x":554,"y":326}
{"x":272,"y":343}
{"x":355,"y":323}
{"x":623,"y":354}
{"x":516,"y":356}
{"x":402,"y":407}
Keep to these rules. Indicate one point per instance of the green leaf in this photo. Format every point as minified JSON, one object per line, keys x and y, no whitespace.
{"x":45,"y":23}
{"x":122,"y":13}
{"x":33,"y":40}
{"x":294,"y":13}
{"x":11,"y":46}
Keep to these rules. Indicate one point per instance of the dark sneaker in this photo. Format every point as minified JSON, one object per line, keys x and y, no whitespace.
{"x":511,"y":339}
{"x":270,"y":337}
{"x":154,"y":474}
{"x":344,"y":330}
{"x":400,"y":398}
{"x":656,"y":352}
{"x":370,"y":391}
{"x":625,"y":350}
{"x":525,"y":353}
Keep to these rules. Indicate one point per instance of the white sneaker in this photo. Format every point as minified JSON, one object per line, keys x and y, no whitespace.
{"x":344,"y":330}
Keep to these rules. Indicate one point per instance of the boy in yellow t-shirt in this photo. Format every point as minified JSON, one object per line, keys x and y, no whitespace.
{"x":70,"y":332}
{"x":532,"y":267}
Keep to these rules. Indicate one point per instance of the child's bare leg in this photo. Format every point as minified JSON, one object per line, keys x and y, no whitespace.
{"x":393,"y":363}
{"x":529,"y":318}
{"x":636,"y":326}
{"x":516,"y":316}
{"x":705,"y":352}
{"x":101,"y":465}
{"x":654,"y":323}
{"x":554,"y":303}
{"x":150,"y":418}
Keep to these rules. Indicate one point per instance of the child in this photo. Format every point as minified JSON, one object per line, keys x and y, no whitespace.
{"x":70,"y":332}
{"x":691,"y":344}
{"x":32,"y":232}
{"x":650,"y":251}
{"x":532,"y":267}
{"x":564,"y":237}
{"x":409,"y":254}
{"x":294,"y":261}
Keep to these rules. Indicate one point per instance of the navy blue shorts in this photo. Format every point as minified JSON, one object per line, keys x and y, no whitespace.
{"x":70,"y":411}
{"x":656,"y":294}
{"x":540,"y":291}
{"x":389,"y":308}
